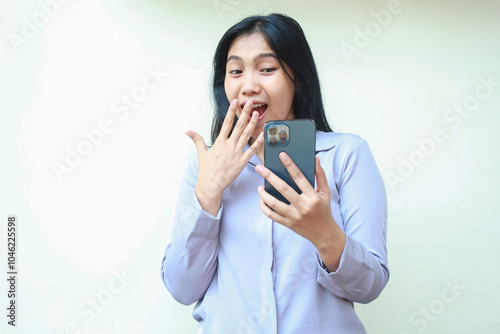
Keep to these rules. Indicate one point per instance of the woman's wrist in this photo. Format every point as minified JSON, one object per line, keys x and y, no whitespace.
{"x":209,"y":202}
{"x":330,"y":248}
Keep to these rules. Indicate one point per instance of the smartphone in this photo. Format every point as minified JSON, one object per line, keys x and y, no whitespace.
{"x":298,"y":139}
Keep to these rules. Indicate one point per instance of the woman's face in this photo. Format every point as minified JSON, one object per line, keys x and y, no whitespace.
{"x":253,"y":73}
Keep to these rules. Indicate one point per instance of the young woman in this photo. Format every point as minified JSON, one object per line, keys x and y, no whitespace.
{"x":252,"y":263}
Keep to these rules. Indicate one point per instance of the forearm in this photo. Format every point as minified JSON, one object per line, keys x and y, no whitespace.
{"x":360,"y":277}
{"x":187,"y":272}
{"x":190,"y":258}
{"x":330,"y":247}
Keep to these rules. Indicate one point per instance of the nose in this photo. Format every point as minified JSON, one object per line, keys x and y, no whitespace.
{"x":250,"y":84}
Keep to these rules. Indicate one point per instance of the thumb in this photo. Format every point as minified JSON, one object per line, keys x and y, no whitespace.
{"x":198,"y":141}
{"x":321,"y":182}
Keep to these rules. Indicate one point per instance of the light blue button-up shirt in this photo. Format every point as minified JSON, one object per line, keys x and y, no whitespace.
{"x":249,"y":274}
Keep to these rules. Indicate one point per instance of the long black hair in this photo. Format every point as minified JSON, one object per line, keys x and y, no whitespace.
{"x":286,"y":38}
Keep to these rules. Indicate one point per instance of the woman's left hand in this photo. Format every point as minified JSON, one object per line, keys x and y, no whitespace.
{"x":308,"y":214}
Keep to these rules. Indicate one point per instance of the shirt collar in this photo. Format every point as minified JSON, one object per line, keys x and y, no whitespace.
{"x":254,"y":160}
{"x":324,"y":141}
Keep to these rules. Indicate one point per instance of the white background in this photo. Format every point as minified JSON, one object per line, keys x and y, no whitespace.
{"x":66,"y":69}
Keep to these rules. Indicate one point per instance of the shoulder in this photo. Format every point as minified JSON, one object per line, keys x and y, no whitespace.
{"x":348,"y":155}
{"x":341,"y":142}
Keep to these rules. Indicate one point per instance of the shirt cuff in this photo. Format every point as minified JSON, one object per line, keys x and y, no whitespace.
{"x":348,"y":266}
{"x":205,"y":225}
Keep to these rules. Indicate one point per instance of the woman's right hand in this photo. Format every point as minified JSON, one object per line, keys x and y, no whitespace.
{"x":221,"y":165}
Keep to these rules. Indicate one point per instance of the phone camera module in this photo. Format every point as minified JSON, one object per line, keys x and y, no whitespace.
{"x":277,"y":134}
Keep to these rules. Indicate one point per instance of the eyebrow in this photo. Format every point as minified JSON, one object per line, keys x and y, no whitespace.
{"x":257,"y":57}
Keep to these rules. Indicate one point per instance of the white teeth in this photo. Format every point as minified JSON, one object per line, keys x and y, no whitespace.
{"x":255,"y":105}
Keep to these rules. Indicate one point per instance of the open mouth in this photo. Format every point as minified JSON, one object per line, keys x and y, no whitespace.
{"x":260,"y":108}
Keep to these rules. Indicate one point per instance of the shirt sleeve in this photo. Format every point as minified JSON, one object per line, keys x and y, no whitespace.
{"x":363,"y":271}
{"x":190,"y":259}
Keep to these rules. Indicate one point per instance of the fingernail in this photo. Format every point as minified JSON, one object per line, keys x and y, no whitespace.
{"x":284,"y":157}
{"x":234,"y":103}
{"x":259,"y":169}
{"x":189,"y":134}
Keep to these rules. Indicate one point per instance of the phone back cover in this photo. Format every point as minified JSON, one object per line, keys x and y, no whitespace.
{"x":301,"y":148}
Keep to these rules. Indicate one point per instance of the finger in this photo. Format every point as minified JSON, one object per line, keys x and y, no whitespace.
{"x":322,"y":186}
{"x":242,"y":121}
{"x":255,"y":147}
{"x":296,"y":173}
{"x":271,"y":207}
{"x":198,"y":141}
{"x":281,"y":186}
{"x":247,"y":133}
{"x":227,"y":125}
